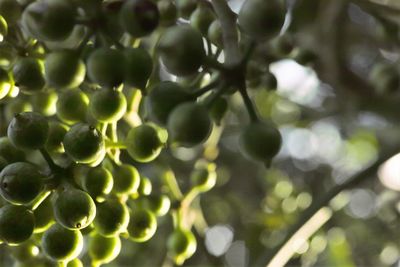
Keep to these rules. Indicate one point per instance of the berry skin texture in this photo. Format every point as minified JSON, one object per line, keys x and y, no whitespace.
{"x":49,"y":20}
{"x":5,"y":83}
{"x":107,"y":105}
{"x":189,"y":124}
{"x":16,"y":224}
{"x":28,"y":75}
{"x":103,"y":250}
{"x":260,"y":141}
{"x":72,"y":98}
{"x":57,"y":131}
{"x":163,"y":98}
{"x":28,"y":130}
{"x":44,"y":217}
{"x":126,"y":179}
{"x":139,"y":66}
{"x":98,"y":182}
{"x":64,"y":69}
{"x":106,"y":67}
{"x":142,"y":226}
{"x":61,"y":244}
{"x":20,"y":183}
{"x":45,"y":103}
{"x":260,"y":18}
{"x":181,"y":50}
{"x":158,"y":204}
{"x":139,"y":17}
{"x":181,"y":245}
{"x":144,"y":143}
{"x":84,"y":144}
{"x":74,"y":209}
{"x":112,"y":218}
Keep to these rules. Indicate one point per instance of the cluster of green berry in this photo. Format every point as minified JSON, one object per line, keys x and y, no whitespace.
{"x":73,"y":75}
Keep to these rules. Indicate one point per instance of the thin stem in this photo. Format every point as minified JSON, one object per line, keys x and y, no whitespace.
{"x":205,"y":89}
{"x":323,"y":201}
{"x":114,"y":138}
{"x":54,"y":167}
{"x":172,"y":184}
{"x":213,"y":64}
{"x":115,"y":145}
{"x":39,"y":199}
{"x":249,"y":104}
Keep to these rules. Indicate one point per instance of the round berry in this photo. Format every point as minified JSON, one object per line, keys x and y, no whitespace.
{"x":181,"y":50}
{"x":74,"y":209}
{"x":107,"y":105}
{"x":45,"y":103}
{"x":5,"y":83}
{"x":139,"y":17}
{"x":202,"y":17}
{"x":62,"y":244}
{"x":98,"y":182}
{"x":215,"y":33}
{"x":83,"y":143}
{"x":144,"y":143}
{"x":126,"y":179}
{"x":17,"y":105}
{"x":112,"y":218}
{"x":158,"y":204}
{"x":103,"y":250}
{"x":139,"y":66}
{"x":168,"y":12}
{"x":44,"y":217}
{"x":189,"y":124}
{"x":28,"y":130}
{"x":145,"y":186}
{"x":16,"y":224}
{"x":9,"y":152}
{"x":163,"y":98}
{"x":218,"y":109}
{"x":181,"y":245}
{"x":50,"y":20}
{"x":24,"y":252}
{"x":20,"y":183}
{"x":106,"y":67}
{"x":186,"y":7}
{"x":142,"y":225}
{"x":72,"y":98}
{"x":57,"y":132}
{"x":64,"y":69}
{"x":260,"y":18}
{"x":75,"y":263}
{"x":28,"y":75}
{"x":260,"y":141}
{"x":11,"y":11}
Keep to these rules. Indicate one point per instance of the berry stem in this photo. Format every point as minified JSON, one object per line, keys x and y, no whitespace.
{"x":39,"y":199}
{"x":205,"y":89}
{"x":248,"y":104}
{"x":53,"y":167}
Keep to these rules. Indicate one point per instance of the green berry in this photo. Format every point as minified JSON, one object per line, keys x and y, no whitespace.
{"x":11,"y":11}
{"x":385,"y":78}
{"x":28,"y":130}
{"x":163,"y":98}
{"x":139,"y":17}
{"x":186,"y":7}
{"x":181,"y":245}
{"x":5,"y":83}
{"x":215,"y":33}
{"x":75,"y":263}
{"x":260,"y":141}
{"x":57,"y":132}
{"x":142,"y":225}
{"x":145,"y":186}
{"x":202,"y":18}
{"x":45,"y":103}
{"x":44,"y":217}
{"x":144,"y":143}
{"x":50,"y":20}
{"x":106,"y":67}
{"x":103,"y":250}
{"x":17,"y":105}
{"x":112,"y":218}
{"x":20,"y":183}
{"x":139,"y":66}
{"x":218,"y":110}
{"x":158,"y":204}
{"x":182,"y":50}
{"x":107,"y":105}
{"x":64,"y":69}
{"x":83,"y":143}
{"x":9,"y":152}
{"x":62,"y":244}
{"x":29,"y":75}
{"x":260,"y":18}
{"x":98,"y":182}
{"x":189,"y":124}
{"x":72,"y":98}
{"x":126,"y":179}
{"x":74,"y":209}
{"x":16,"y":224}
{"x":25,"y":251}
{"x":168,"y":12}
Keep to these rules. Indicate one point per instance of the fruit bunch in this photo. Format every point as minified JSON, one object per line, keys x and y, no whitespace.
{"x":85,"y":105}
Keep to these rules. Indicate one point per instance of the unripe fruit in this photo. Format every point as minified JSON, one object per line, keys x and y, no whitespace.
{"x":75,"y":263}
{"x":17,"y":105}
{"x":106,"y":67}
{"x":45,"y":103}
{"x":139,"y":66}
{"x":181,"y":245}
{"x":145,"y":186}
{"x":11,"y":11}
{"x":181,"y":50}
{"x":49,"y":20}
{"x":139,"y":17}
{"x":144,"y":143}
{"x":202,"y":18}
{"x":20,"y":183}
{"x":24,"y":252}
{"x":142,"y":225}
{"x":5,"y":83}
{"x":74,"y":209}
{"x":158,"y":204}
{"x":107,"y":105}
{"x":260,"y":18}
{"x":29,"y":75}
{"x":84,"y":144}
{"x":112,"y":218}
{"x":163,"y":98}
{"x":126,"y":179}
{"x":64,"y":69}
{"x":44,"y":216}
{"x":28,"y":130}
{"x":54,"y":143}
{"x":61,"y":244}
{"x":10,"y":152}
{"x":168,"y":12}
{"x":215,"y":33}
{"x":186,"y":7}
{"x":16,"y":224}
{"x":218,"y":109}
{"x":260,"y":141}
{"x":98,"y":182}
{"x":103,"y":250}
{"x":189,"y":124}
{"x":72,"y":98}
